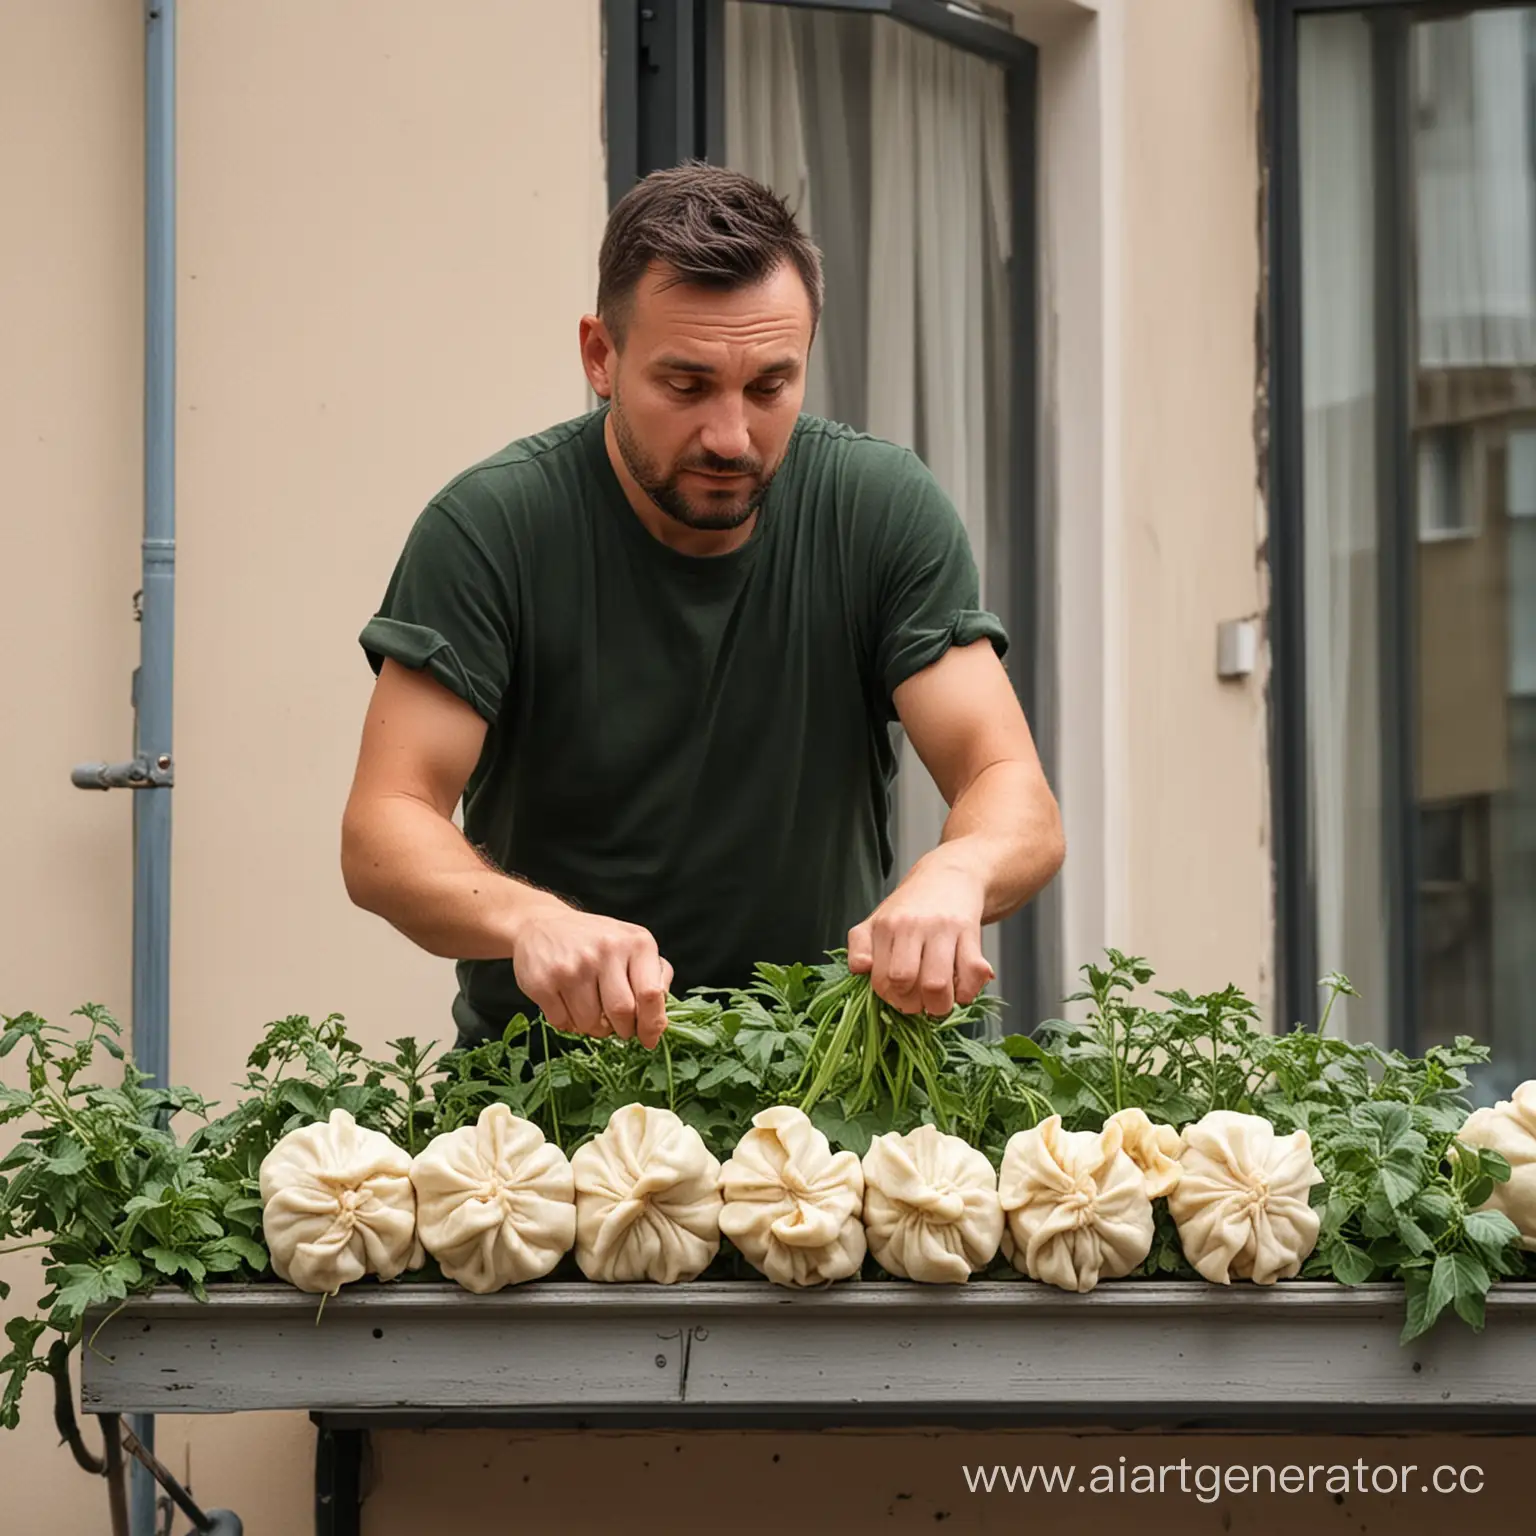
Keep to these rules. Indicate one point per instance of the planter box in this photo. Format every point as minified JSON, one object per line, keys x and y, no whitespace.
{"x":735,"y":1354}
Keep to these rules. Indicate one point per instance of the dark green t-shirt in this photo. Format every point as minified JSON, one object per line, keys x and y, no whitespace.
{"x":698,"y":744}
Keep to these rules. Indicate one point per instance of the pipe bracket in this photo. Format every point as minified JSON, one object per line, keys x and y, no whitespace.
{"x":141,"y":773}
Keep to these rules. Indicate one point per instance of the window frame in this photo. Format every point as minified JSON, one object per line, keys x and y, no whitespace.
{"x":1295,"y":896}
{"x":664,"y":102}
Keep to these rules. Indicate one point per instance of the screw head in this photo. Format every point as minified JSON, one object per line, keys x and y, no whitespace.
{"x":163,"y":761}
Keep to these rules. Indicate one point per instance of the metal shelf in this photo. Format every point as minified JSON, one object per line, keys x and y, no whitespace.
{"x":1297,"y":1354}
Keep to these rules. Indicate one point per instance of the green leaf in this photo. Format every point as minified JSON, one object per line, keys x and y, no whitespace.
{"x":172,"y":1261}
{"x":18,"y":1363}
{"x":1026,"y":1048}
{"x":1442,"y":1289}
{"x":244,"y":1248}
{"x":1494,"y":1166}
{"x":1392,"y":1123}
{"x":1379,"y":1217}
{"x":1472,"y":1282}
{"x":1399,"y":1176}
{"x":1414,"y":1237}
{"x":1490,"y":1231}
{"x":1350,"y":1266}
{"x":127,"y":1269}
{"x":1416,"y":1294}
{"x":1471,"y":1308}
{"x":81,"y":1286}
{"x":757,"y":1047}
{"x":67,"y":1159}
{"x":1478,"y":1190}
{"x":723,"y":1072}
{"x":1435,"y":1203}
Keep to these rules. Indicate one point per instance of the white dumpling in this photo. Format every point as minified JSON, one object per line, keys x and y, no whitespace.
{"x":495,"y":1202}
{"x":1154,"y":1149}
{"x":931,"y":1210}
{"x":792,"y":1205}
{"x":337,"y":1204}
{"x":1076,"y":1206}
{"x":1242,"y":1202}
{"x":1509,"y":1127}
{"x":647,"y":1199}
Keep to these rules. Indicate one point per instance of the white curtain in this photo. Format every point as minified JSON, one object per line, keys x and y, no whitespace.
{"x":894,"y":147}
{"x":1476,"y":259}
{"x":1340,"y":544}
{"x":765,"y":131}
{"x":939,"y":211}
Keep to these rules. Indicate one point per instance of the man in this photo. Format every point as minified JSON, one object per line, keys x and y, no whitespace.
{"x":657,"y":652}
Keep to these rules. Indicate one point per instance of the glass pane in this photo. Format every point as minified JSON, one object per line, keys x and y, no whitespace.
{"x":892,"y":147}
{"x":1341,"y":540}
{"x":1474,"y":423}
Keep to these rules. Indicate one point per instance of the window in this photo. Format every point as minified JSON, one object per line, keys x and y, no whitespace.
{"x":1404,"y":492}
{"x":902,"y":132}
{"x":1448,"y":492}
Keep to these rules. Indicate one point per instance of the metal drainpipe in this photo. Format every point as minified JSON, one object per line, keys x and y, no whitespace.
{"x":151,"y":772}
{"x":152,"y":809}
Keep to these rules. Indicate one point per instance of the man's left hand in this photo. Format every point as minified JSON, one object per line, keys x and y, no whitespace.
{"x":921,"y":947}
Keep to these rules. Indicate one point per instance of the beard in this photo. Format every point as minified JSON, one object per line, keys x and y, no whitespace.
{"x":707,"y":512}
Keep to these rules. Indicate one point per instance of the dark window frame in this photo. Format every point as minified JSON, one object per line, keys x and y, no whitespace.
{"x":1295,"y":897}
{"x":664,"y":102}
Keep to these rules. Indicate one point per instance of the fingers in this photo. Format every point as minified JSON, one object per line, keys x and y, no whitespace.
{"x":649,"y":977}
{"x":972,"y":968}
{"x":861,"y":948}
{"x":902,"y":967}
{"x":920,"y":963}
{"x":552,"y":1006}
{"x":936,"y":980}
{"x":584,"y":1006}
{"x":615,"y":996}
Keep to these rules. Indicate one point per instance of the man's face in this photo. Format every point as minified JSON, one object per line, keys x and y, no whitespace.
{"x":706,"y":392}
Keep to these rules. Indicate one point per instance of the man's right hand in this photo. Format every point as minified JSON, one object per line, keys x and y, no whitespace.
{"x":592,"y":975}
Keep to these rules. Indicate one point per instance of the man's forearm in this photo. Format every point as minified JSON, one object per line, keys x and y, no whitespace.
{"x":404,"y":862}
{"x":1005,"y":830}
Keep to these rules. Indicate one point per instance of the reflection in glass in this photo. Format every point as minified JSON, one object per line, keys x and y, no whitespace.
{"x":1468,"y":341}
{"x":1341,"y":543}
{"x":1474,"y":407}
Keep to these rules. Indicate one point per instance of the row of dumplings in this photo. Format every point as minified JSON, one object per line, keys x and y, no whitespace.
{"x":496,"y":1204}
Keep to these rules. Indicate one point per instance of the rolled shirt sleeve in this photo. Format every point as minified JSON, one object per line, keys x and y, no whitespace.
{"x":928,"y":589}
{"x":447,"y":610}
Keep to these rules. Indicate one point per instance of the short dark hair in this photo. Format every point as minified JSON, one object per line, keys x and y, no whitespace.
{"x":712,"y":226}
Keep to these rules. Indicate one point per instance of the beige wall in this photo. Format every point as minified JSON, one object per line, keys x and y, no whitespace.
{"x":388,"y":230}
{"x":1197,"y":801}
{"x":1150,"y":256}
{"x":71,"y":274}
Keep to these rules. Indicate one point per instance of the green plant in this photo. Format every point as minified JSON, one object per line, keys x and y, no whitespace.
{"x":1399,"y":1199}
{"x":100,"y":1184}
{"x":868,"y":1053}
{"x":1400,"y":1195}
{"x":1177,"y":1063}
